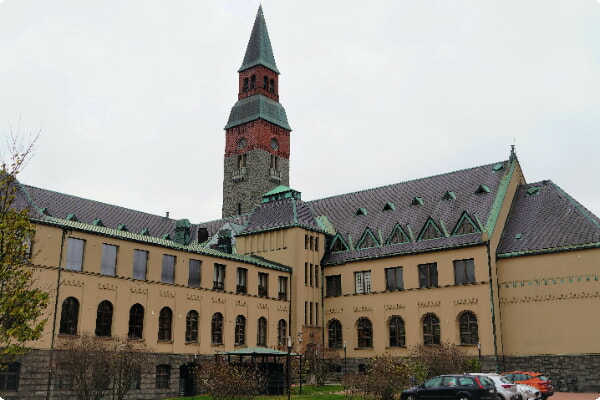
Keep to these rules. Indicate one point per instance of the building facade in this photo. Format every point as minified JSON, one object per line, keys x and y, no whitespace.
{"x":508,"y":270}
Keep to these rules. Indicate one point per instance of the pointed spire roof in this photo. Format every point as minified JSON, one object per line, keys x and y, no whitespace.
{"x":259,"y":51}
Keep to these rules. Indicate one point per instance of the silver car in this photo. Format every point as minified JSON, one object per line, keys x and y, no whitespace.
{"x":528,"y":392}
{"x":506,"y":390}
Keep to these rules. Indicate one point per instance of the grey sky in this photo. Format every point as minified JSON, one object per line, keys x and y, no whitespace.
{"x":131,"y":97}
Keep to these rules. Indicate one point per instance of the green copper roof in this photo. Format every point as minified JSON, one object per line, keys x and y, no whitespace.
{"x":259,"y":51}
{"x":257,"y":107}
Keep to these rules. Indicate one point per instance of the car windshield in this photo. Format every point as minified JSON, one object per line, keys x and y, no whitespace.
{"x":542,"y":378}
{"x":504,"y":380}
{"x":486,"y":381}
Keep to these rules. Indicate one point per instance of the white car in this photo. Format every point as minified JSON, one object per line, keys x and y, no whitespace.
{"x":528,"y":392}
{"x":506,"y":390}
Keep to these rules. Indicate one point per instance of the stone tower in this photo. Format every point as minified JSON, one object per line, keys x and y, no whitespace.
{"x":257,"y":134}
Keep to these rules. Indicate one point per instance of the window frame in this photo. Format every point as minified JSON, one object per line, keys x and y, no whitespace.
{"x":168,"y":268}
{"x":69,"y":316}
{"x":191,"y":326}
{"x":428,"y":275}
{"x":464,"y":271}
{"x":108,"y":264}
{"x":335,"y":334}
{"x":333,"y":285}
{"x":468,"y":328}
{"x":216,"y":329}
{"x":140,"y":264}
{"x":397,"y":331}
{"x":194,"y":273}
{"x":163,"y":376}
{"x":136,"y":322}
{"x":165,"y":325}
{"x":219,"y":277}
{"x":261,"y":332}
{"x":240,"y":331}
{"x":362,"y":282}
{"x":431,"y":330}
{"x":364,"y":333}
{"x":263,"y":284}
{"x":394,"y":279}
{"x":241,"y":277}
{"x":9,"y":377}
{"x":104,"y":316}
{"x":75,"y":254}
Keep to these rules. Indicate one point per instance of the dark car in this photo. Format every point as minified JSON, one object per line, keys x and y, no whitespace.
{"x":453,"y":387}
{"x":534,"y":379}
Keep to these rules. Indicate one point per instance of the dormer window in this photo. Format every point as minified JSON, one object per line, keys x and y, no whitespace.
{"x":417,"y":201}
{"x":361,"y":211}
{"x":482,"y":189}
{"x":389,"y":206}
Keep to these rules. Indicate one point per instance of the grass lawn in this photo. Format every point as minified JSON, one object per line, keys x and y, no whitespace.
{"x":309,"y":392}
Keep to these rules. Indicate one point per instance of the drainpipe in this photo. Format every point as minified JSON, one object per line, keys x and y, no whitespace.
{"x":54,"y":317}
{"x":493,"y":308}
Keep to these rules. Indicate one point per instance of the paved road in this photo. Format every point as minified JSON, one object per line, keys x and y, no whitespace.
{"x":574,"y":396}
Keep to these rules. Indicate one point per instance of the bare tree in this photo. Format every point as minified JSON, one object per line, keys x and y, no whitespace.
{"x":225,"y":381}
{"x":21,"y":302}
{"x":445,"y":358}
{"x":97,"y":367}
{"x":319,"y":361}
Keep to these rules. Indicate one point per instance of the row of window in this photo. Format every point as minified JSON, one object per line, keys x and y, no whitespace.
{"x":75,"y":256}
{"x":311,"y":275}
{"x":250,"y":84}
{"x":464,"y":273}
{"x":311,"y":242}
{"x":396,"y":337}
{"x":104,"y":319}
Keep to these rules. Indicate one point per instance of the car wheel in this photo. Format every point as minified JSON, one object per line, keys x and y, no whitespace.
{"x":411,"y":397}
{"x":462,"y":397}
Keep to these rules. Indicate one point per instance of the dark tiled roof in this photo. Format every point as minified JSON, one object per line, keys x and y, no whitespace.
{"x":544,"y":218}
{"x":259,"y":51}
{"x":255,"y":107}
{"x":284,"y":213}
{"x":444,"y":210}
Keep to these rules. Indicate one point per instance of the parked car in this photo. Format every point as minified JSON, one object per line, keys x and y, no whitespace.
{"x":534,"y":379}
{"x":453,"y":387}
{"x":528,"y":392}
{"x":505,"y":389}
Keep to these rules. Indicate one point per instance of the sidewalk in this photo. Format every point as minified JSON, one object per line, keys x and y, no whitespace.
{"x":574,"y":396}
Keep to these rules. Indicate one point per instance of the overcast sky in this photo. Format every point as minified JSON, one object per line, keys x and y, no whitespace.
{"x":131,"y":97}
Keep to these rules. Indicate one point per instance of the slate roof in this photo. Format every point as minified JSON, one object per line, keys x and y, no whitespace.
{"x":257,"y":106}
{"x":341,"y":211}
{"x":289,"y":212}
{"x":259,"y":50}
{"x":543,"y":218}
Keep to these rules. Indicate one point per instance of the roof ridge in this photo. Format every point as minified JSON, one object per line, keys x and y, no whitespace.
{"x":408,"y":181}
{"x":587,"y":213}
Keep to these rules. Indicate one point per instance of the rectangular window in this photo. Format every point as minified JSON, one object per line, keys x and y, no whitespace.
{"x":306,"y":242}
{"x":109,"y":260}
{"x":464,"y":271}
{"x":9,"y":377}
{"x":317,"y":243}
{"x":241,"y":281}
{"x":263,"y":284}
{"x":312,"y":242}
{"x":306,"y":313}
{"x":333,"y":285}
{"x":316,"y":314}
{"x":194,"y":273}
{"x":219,"y":277}
{"x":316,"y":276}
{"x":428,"y":275}
{"x":168,"y":269}
{"x":140,"y":264}
{"x":362,"y":281}
{"x":310,"y":310}
{"x":75,"y":254}
{"x":310,"y":275}
{"x":283,"y":288}
{"x":163,"y":376}
{"x":305,"y":274}
{"x":394,"y":278}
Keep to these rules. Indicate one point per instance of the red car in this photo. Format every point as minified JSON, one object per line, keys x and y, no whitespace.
{"x":534,"y":379}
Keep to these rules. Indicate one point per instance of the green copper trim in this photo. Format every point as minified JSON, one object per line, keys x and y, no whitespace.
{"x":547,"y":251}
{"x":259,"y":50}
{"x":499,"y":200}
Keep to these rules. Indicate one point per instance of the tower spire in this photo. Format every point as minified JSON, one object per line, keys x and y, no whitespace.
{"x":259,"y":51}
{"x":257,"y":133}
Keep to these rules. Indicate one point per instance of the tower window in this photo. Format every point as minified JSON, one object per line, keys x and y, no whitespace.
{"x":245,"y":84}
{"x":274,"y":162}
{"x":266,"y":82}
{"x":241,"y":161}
{"x":253,"y":82}
{"x":272,"y":86}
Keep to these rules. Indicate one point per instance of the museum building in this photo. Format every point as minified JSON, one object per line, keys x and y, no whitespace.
{"x":508,"y":270}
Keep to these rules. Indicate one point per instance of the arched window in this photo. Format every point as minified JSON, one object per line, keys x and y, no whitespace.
{"x":261,"y":334}
{"x":431,"y":330}
{"x":397,"y":333}
{"x":266,"y":82}
{"x":104,"y":319}
{"x":216,"y":328}
{"x":253,"y":82}
{"x":469,"y":331}
{"x":365,"y":333}
{"x":272,"y":86}
{"x":245,"y":84}
{"x":69,"y":316}
{"x":240,"y":330}
{"x":334,"y":330}
{"x":165,"y":319}
{"x":136,"y":321}
{"x":191,"y":327}
{"x":282,"y":332}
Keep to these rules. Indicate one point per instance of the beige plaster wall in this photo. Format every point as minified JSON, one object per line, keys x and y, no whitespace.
{"x":550,"y":303}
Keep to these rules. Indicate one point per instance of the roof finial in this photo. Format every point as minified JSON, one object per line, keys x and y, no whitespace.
{"x":513,"y":154}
